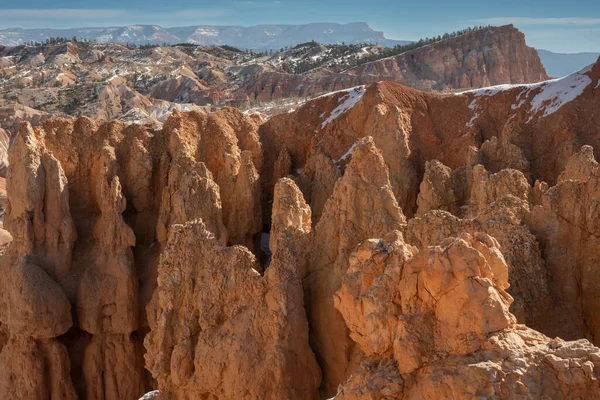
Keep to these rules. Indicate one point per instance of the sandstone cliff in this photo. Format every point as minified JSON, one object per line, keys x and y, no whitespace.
{"x":492,"y":56}
{"x":379,"y":242}
{"x":144,"y":85}
{"x":361,"y":206}
{"x":88,"y":228}
{"x":412,"y":127}
{"x":4,"y":142}
{"x":435,"y":324}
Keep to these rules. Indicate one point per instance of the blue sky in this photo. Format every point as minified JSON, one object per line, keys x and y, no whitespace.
{"x":555,"y":25}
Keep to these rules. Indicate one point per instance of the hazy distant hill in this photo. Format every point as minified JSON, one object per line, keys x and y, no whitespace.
{"x":560,"y":64}
{"x":260,"y":37}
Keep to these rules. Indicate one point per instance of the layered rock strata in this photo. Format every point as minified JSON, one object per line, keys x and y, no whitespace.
{"x":88,"y":230}
{"x":406,"y":249}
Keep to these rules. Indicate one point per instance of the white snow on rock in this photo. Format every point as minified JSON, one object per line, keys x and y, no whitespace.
{"x":490,"y":90}
{"x":257,"y":111}
{"x":151,"y":396}
{"x":522,"y":97}
{"x":472,"y":120}
{"x":348,"y":153}
{"x":475,"y":108}
{"x":548,"y":96}
{"x":556,"y":93}
{"x":346,"y":102}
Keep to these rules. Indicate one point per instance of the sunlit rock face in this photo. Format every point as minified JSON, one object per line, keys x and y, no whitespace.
{"x":379,"y":242}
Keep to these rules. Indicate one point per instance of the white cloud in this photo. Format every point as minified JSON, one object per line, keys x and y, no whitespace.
{"x":61,"y":13}
{"x":96,"y":14}
{"x":538,"y":21}
{"x":256,"y":3}
{"x":193,"y":13}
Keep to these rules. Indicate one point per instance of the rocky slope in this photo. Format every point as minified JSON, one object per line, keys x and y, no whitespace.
{"x":487,"y":57}
{"x":144,"y":85}
{"x":478,"y":156}
{"x":99,"y":81}
{"x":379,"y":242}
{"x":96,"y":273}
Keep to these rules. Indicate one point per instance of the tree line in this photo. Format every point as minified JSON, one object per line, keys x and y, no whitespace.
{"x":58,"y":40}
{"x":339,"y":57}
{"x":346,"y":55}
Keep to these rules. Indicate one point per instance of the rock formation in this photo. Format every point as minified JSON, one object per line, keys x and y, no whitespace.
{"x":266,"y":353}
{"x":4,"y":142}
{"x":492,"y":127}
{"x":439,"y":302}
{"x":362,"y":206}
{"x":317,"y":180}
{"x":492,"y":56}
{"x":440,"y":189}
{"x":379,"y":242}
{"x":34,"y":309}
{"x":145,"y":85}
{"x":87,"y":231}
{"x":435,"y":323}
{"x":567,"y":223}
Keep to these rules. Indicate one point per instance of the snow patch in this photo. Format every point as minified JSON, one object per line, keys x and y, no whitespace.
{"x":550,"y":97}
{"x":490,"y":90}
{"x":257,"y":111}
{"x":473,"y":106}
{"x":150,"y":396}
{"x":556,"y":93}
{"x":346,"y":102}
{"x":206,"y":32}
{"x":348,"y":153}
{"x":521,"y":96}
{"x":472,"y":120}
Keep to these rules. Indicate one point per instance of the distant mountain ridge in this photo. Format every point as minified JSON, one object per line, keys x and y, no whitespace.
{"x":259,"y":37}
{"x":559,"y":64}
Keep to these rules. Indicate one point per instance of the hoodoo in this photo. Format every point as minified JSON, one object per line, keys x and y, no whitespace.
{"x":377,"y":242}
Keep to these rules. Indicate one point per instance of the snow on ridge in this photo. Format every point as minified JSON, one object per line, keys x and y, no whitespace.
{"x":329,"y":94}
{"x":348,"y":153}
{"x":552,"y":94}
{"x":556,"y":93}
{"x":492,"y":90}
{"x":523,"y":97}
{"x":206,"y":32}
{"x":346,"y":102}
